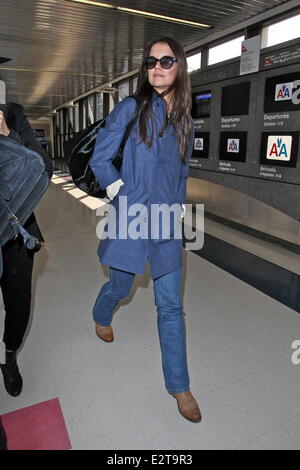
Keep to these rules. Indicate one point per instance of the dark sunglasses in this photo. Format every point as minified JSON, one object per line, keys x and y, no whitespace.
{"x":166,"y":62}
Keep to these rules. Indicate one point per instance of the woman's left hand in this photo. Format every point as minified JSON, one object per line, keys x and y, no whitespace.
{"x":4,"y":130}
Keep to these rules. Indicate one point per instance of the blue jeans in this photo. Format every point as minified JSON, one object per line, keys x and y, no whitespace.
{"x":170,"y":320}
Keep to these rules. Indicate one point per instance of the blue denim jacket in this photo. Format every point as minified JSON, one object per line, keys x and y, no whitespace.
{"x":153,"y":175}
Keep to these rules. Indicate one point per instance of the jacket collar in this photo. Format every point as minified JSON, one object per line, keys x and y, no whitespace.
{"x":157,"y":97}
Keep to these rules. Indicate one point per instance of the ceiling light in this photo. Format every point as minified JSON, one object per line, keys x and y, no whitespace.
{"x":156,"y":16}
{"x":63,"y":72}
{"x":146,"y":14}
{"x":91,"y":2}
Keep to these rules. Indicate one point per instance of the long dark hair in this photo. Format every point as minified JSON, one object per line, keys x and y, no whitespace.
{"x":181,"y":98}
{"x":9,"y":116}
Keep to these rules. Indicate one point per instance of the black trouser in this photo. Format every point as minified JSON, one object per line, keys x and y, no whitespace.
{"x":16,"y":290}
{"x":3,"y":443}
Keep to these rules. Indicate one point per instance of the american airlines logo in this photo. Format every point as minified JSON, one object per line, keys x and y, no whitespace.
{"x":279,"y":148}
{"x":288,"y":92}
{"x":199,"y":143}
{"x":233,"y":145}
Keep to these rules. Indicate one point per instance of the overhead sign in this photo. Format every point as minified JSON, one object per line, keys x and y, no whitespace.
{"x":250,"y":55}
{"x":281,"y":58}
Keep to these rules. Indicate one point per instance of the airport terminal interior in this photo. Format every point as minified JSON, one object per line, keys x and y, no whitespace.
{"x":68,"y":63}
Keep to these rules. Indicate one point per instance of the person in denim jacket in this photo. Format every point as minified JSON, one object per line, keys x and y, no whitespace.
{"x":153,"y":174}
{"x":17,"y":259}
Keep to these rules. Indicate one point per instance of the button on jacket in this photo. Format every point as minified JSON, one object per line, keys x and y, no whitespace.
{"x":154,"y":175}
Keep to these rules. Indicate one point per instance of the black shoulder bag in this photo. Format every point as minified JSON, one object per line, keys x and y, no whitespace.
{"x":78,"y":152}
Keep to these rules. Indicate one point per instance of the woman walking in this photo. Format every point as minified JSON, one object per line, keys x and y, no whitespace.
{"x":154,"y":172}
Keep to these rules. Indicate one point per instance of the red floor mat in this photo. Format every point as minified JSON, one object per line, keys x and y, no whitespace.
{"x":37,"y":427}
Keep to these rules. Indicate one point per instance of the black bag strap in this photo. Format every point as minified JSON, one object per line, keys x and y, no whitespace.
{"x":119,"y":157}
{"x":31,"y":242}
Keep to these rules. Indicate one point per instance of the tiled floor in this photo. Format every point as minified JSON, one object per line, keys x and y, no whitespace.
{"x":112,"y":395}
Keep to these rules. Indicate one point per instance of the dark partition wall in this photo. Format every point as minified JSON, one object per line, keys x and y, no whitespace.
{"x":247,"y":128}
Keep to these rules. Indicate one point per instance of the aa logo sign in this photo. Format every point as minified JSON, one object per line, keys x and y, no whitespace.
{"x":233,"y":145}
{"x":279,"y":148}
{"x":288,"y":92}
{"x":199,"y":144}
{"x":282,"y":93}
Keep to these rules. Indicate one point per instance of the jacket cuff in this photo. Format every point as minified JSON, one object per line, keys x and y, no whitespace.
{"x":113,"y":189}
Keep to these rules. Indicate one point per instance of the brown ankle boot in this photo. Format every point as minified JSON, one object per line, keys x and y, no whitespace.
{"x":105,"y":333}
{"x":188,"y":407}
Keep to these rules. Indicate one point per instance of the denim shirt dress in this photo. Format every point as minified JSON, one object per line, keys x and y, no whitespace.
{"x":153,"y":175}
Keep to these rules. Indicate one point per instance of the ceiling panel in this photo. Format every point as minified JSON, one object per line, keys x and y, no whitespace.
{"x":61,"y":49}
